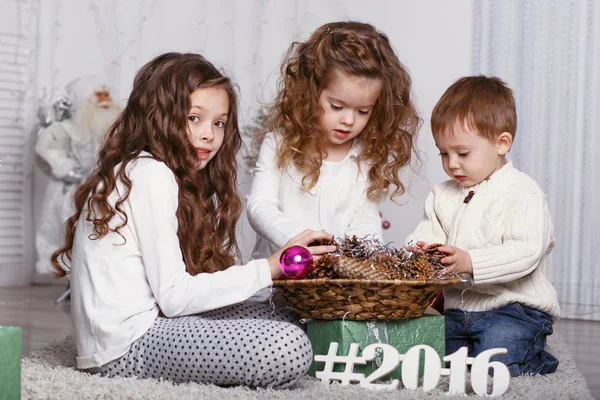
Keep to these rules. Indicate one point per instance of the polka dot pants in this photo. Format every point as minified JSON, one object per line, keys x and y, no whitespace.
{"x":244,"y":344}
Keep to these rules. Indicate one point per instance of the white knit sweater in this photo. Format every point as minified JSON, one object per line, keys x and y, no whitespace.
{"x":507,"y":230}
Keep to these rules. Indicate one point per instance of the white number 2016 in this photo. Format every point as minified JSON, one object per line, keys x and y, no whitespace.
{"x":411,"y":363}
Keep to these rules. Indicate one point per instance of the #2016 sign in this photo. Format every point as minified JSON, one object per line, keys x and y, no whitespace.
{"x":433,"y":370}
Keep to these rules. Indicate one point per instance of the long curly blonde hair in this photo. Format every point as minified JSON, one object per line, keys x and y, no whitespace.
{"x":356,"y":49}
{"x":155,"y":121}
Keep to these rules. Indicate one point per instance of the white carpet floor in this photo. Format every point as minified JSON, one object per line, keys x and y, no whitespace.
{"x":50,"y":374}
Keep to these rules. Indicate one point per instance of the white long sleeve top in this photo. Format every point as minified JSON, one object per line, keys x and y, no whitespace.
{"x":507,"y":230}
{"x":120,"y":284}
{"x":279,"y":209}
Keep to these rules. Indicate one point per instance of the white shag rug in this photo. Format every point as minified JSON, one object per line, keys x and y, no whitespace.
{"x":50,"y":374}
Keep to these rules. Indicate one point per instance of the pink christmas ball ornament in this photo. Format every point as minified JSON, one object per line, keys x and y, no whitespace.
{"x":386,"y":224}
{"x":295,"y":262}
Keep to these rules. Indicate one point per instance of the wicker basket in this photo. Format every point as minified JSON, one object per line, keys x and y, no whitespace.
{"x":360,"y":299}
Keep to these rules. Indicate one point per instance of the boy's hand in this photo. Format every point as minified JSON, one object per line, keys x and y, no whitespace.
{"x":419,"y":247}
{"x":456,"y":260}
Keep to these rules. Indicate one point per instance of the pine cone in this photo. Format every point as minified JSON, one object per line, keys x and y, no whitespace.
{"x":349,"y":268}
{"x":420,"y":266}
{"x":323,"y":268}
{"x":324,"y":242}
{"x":434,"y":257}
{"x":396,"y":265}
{"x":349,"y":245}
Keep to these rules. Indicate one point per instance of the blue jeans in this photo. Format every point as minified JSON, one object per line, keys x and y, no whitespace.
{"x":519,"y":329}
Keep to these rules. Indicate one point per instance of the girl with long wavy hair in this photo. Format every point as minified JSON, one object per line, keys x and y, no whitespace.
{"x":344,"y":124}
{"x":150,"y":247}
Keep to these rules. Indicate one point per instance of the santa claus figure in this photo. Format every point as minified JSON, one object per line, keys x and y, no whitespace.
{"x":67,"y":148}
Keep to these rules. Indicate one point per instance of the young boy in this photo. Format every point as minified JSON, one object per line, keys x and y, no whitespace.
{"x":495,"y":225}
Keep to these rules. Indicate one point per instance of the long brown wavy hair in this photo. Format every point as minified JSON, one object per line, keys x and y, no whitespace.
{"x":155,"y":121}
{"x":356,"y":49}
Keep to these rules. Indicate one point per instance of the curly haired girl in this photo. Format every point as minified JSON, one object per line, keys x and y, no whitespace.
{"x":150,"y":247}
{"x":344,"y":124}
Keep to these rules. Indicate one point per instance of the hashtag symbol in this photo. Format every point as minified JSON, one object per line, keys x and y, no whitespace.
{"x":350,"y":361}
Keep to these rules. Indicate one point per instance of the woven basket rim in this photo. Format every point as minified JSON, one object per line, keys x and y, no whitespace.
{"x":373,"y":282}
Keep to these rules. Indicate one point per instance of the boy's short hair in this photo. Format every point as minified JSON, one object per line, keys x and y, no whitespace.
{"x":484,"y":103}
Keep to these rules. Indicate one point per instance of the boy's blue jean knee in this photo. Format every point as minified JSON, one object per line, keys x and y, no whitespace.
{"x":519,"y":329}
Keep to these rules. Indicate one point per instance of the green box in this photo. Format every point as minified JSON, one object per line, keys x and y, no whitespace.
{"x":10,"y":362}
{"x":402,"y":334}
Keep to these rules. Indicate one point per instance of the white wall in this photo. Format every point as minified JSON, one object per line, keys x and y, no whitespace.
{"x":433,"y":38}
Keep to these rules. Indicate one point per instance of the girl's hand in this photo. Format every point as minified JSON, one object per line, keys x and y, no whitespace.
{"x":303,"y":239}
{"x":456,"y":260}
{"x":419,"y":247}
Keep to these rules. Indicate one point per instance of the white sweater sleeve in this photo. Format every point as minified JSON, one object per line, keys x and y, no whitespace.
{"x":153,"y":200}
{"x":527,"y":238}
{"x":264,"y":207}
{"x":429,"y":230}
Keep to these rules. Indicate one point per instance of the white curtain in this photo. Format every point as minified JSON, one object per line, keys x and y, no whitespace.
{"x":17,"y":55}
{"x":548,"y":51}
